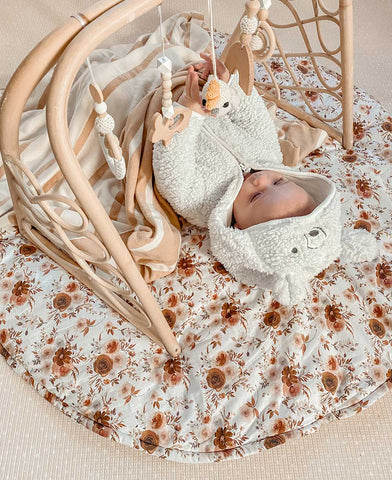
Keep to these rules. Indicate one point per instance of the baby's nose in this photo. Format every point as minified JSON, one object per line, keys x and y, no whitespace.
{"x":260,"y":180}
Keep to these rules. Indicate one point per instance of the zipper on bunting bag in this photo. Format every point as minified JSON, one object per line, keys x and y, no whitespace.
{"x":245,"y":168}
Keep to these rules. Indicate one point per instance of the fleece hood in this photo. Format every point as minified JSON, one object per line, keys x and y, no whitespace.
{"x":282,"y":255}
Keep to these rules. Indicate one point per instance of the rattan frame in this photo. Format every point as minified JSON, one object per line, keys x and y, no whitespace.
{"x":67,"y":47}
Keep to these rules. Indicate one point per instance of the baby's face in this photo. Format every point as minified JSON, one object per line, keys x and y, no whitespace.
{"x":267,"y":195}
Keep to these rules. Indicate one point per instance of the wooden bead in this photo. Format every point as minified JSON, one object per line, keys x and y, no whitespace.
{"x":167,"y":95}
{"x":262,"y":15}
{"x":245,"y":38}
{"x":166,"y":76}
{"x":166,"y":103}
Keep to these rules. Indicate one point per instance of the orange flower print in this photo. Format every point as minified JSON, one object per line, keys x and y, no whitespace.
{"x":4,"y":352}
{"x":335,"y":320}
{"x":292,"y":390}
{"x":362,"y":224}
{"x":386,"y":154}
{"x":272,"y":319}
{"x":223,"y":438}
{"x":363,"y":188}
{"x":27,"y":250}
{"x":71,"y":287}
{"x":279,"y":426}
{"x":332,"y":363}
{"x":387,"y":126}
{"x":302,"y":69}
{"x":49,"y":397}
{"x":321,"y":275}
{"x":246,"y":412}
{"x":274,"y":441}
{"x":216,"y":379}
{"x":186,"y":267}
{"x":149,"y":441}
{"x":350,"y":157}
{"x":291,"y":385}
{"x":158,"y":421}
{"x":172,"y":365}
{"x":173,"y":372}
{"x":230,"y":315}
{"x":103,"y":365}
{"x":102,"y":418}
{"x":358,"y":130}
{"x":330,"y":382}
{"x":61,"y":301}
{"x":312,"y":96}
{"x":4,"y":336}
{"x":219,"y":268}
{"x":62,"y":356}
{"x":112,"y":346}
{"x":205,"y":433}
{"x":62,"y":362}
{"x":206,"y":419}
{"x":20,"y":288}
{"x":222,"y":358}
{"x":384,"y":275}
{"x":289,"y":375}
{"x":170,"y":317}
{"x":172,"y":301}
{"x":378,"y":310}
{"x":276,"y":66}
{"x":101,"y":424}
{"x":377,"y":327}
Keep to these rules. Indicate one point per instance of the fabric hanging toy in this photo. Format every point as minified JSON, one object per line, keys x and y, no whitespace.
{"x":217,"y":96}
{"x":104,"y":123}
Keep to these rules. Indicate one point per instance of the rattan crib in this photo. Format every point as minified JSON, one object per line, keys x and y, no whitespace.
{"x":67,"y":48}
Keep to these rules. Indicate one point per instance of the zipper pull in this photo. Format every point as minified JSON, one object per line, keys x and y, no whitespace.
{"x":244,"y":168}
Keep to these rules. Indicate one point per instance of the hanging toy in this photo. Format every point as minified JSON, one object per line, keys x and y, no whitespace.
{"x":263,"y":42}
{"x":217,"y":96}
{"x":211,"y":90}
{"x":163,"y":127}
{"x":104,"y":123}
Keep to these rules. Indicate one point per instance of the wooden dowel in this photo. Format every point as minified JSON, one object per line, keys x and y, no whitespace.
{"x":347,"y":52}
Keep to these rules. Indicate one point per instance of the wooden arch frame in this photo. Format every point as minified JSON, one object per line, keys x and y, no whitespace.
{"x":68,"y":46}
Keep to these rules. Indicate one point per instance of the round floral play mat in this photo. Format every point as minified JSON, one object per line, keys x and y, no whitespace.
{"x":252,"y":374}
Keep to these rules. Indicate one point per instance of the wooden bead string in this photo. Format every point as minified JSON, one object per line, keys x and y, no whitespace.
{"x":252,"y":8}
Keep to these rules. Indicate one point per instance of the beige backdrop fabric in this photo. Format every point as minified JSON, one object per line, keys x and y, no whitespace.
{"x":38,"y":441}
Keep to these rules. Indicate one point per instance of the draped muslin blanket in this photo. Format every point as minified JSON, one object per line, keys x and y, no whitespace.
{"x":130,"y":83}
{"x":128,"y":78}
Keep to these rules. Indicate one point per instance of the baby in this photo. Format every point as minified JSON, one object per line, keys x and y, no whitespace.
{"x":269,"y":195}
{"x":269,"y":225}
{"x":264,"y":195}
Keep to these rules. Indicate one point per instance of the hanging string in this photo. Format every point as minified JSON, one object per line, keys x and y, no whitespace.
{"x":91,"y":71}
{"x":212,"y":37}
{"x":161,"y":30}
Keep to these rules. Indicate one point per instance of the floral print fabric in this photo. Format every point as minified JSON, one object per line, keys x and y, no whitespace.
{"x":252,"y":374}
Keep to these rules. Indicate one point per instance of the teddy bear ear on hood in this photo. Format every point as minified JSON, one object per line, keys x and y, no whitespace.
{"x":359,"y":245}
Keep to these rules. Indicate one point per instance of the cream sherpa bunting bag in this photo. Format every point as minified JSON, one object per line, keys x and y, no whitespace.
{"x":283,"y":255}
